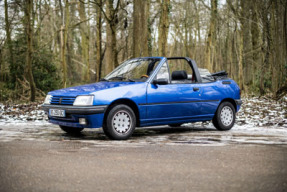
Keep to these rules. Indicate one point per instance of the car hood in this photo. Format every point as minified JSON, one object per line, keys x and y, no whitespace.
{"x":90,"y":88}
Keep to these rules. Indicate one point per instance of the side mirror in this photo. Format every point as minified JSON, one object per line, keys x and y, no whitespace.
{"x":161,"y":81}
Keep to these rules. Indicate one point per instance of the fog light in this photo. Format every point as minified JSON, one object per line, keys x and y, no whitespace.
{"x":82,"y":121}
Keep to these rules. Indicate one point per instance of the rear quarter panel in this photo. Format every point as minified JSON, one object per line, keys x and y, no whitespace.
{"x":215,"y":92}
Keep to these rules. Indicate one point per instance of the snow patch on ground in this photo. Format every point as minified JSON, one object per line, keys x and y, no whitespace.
{"x":262,"y":112}
{"x":21,"y":113}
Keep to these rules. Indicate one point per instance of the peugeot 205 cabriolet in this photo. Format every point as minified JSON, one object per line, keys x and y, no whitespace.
{"x":146,"y":92}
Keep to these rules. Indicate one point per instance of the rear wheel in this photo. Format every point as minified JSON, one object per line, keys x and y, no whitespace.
{"x":120,"y":122}
{"x":224,"y":117}
{"x":71,"y":130}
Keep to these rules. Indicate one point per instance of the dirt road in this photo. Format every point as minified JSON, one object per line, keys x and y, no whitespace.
{"x":42,"y":158}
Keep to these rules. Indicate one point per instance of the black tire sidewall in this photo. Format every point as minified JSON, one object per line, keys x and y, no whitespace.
{"x":217,"y":121}
{"x":109,"y":129}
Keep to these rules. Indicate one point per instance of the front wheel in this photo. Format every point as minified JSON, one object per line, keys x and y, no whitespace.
{"x":120,"y":122}
{"x":71,"y":130}
{"x":224,"y":117}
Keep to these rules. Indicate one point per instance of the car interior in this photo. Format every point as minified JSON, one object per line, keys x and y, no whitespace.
{"x":181,"y":72}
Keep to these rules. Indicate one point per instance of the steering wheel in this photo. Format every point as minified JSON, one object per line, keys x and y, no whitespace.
{"x":146,"y":76}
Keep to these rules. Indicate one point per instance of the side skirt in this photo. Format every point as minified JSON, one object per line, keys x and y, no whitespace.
{"x":165,"y":121}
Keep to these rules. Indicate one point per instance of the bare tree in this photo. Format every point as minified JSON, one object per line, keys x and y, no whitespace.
{"x":140,"y":28}
{"x":163,"y":27}
{"x":29,"y":34}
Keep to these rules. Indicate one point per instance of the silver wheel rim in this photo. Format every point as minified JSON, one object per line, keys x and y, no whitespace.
{"x":226,"y":115}
{"x":122,"y":122}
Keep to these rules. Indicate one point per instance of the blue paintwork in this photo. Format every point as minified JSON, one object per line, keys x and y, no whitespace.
{"x":157,"y":104}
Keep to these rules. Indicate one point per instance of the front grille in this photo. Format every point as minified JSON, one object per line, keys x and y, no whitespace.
{"x":68,"y":117}
{"x":62,"y":100}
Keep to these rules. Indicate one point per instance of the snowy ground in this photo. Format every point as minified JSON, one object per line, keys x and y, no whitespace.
{"x":260,"y":121}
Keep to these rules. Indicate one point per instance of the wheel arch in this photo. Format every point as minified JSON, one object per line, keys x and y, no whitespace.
{"x":127,"y":102}
{"x":232,"y":101}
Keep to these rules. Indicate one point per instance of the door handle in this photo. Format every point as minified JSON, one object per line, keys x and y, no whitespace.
{"x":195,"y":88}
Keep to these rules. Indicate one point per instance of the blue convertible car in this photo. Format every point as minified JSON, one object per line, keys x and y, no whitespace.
{"x":145,"y":92}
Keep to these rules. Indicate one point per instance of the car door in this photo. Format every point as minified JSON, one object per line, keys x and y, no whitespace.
{"x":173,"y":101}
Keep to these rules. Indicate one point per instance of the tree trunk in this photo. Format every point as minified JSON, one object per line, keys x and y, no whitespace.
{"x":84,"y":43}
{"x":137,"y":20}
{"x":149,"y":28}
{"x":99,"y":40}
{"x":240,"y":61}
{"x":163,"y":28}
{"x":275,"y":63}
{"x":8,"y":38}
{"x":111,"y":53}
{"x":187,"y":35}
{"x":140,"y":28}
{"x":198,"y":55}
{"x":29,"y":35}
{"x":245,"y":26}
{"x":267,"y":39}
{"x":64,"y":35}
{"x":211,"y":36}
{"x":285,"y":30}
{"x":1,"y":70}
{"x":72,"y":67}
{"x":255,"y":32}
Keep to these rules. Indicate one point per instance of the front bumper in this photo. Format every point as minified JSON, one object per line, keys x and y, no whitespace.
{"x":83,"y":110}
{"x":93,"y":114}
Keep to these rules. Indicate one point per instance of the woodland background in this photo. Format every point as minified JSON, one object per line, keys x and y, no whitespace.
{"x":46,"y":45}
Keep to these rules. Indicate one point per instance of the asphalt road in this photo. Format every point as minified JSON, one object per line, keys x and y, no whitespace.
{"x":73,"y":165}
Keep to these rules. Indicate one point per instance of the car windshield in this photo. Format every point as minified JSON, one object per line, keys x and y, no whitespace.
{"x":133,"y":70}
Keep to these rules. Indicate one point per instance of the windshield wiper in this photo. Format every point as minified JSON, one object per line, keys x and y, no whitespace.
{"x":103,"y":79}
{"x":131,"y":80}
{"x":118,"y":77}
{"x":122,"y":78}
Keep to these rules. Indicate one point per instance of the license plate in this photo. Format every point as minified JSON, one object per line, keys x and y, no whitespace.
{"x":57,"y":113}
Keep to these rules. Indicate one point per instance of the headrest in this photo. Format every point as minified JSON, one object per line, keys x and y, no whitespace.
{"x":179,"y":75}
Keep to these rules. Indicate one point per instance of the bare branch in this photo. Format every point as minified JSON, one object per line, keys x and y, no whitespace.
{"x":206,"y":6}
{"x":101,"y":7}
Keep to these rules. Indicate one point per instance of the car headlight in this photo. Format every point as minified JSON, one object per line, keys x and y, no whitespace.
{"x":84,"y":100}
{"x":48,"y":99}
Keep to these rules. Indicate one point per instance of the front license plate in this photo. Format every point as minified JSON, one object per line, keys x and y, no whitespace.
{"x":57,"y":113}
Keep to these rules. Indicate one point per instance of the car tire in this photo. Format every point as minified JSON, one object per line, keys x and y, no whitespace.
{"x":120,"y":122}
{"x":224,"y":117}
{"x":175,"y":125}
{"x":71,"y":130}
